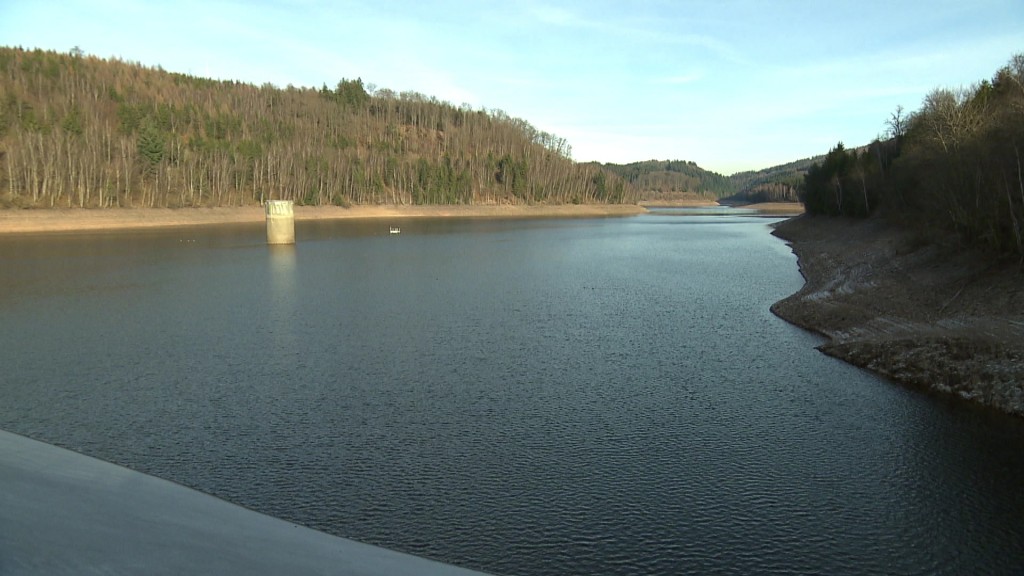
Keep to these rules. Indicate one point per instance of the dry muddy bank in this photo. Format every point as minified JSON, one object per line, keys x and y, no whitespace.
{"x":935,"y":317}
{"x":16,"y":221}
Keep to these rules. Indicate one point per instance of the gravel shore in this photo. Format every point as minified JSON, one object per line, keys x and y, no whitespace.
{"x":932,"y":316}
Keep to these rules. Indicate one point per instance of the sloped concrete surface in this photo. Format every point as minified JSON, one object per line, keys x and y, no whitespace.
{"x":65,"y":513}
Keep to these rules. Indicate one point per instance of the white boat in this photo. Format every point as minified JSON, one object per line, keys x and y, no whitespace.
{"x":396,"y":230}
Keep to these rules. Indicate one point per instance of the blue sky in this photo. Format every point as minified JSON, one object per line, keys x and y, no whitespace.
{"x":729,"y":84}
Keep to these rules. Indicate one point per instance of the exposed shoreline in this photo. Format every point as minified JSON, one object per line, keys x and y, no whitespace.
{"x":26,"y":221}
{"x":58,"y":220}
{"x":678,"y":203}
{"x":776,"y":208}
{"x":933,"y":317}
{"x":766,"y":208}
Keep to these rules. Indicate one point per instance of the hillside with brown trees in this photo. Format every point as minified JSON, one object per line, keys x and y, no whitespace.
{"x":675,"y":180}
{"x":954,"y":166}
{"x":780,"y":183}
{"x":672,"y":180}
{"x":80,"y":131}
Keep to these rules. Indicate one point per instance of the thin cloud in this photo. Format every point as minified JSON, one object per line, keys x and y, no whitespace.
{"x":556,"y":16}
{"x":722,"y":49}
{"x":680,"y":79}
{"x":643,"y":34}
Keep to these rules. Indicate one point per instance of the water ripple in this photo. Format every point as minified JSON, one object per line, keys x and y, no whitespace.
{"x":599,"y":397}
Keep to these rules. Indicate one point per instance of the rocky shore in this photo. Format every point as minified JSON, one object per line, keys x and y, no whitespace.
{"x":923,"y":313}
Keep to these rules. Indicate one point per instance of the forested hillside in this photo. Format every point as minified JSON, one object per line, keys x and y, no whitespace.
{"x":776,"y":184}
{"x":956,"y":164}
{"x":80,"y":131}
{"x":668,"y":180}
{"x":672,"y":180}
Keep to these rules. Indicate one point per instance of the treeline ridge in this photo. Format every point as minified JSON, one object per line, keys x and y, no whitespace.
{"x":76,"y":130}
{"x":953,"y":165}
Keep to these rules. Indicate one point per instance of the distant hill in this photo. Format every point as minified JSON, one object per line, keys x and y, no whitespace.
{"x":669,"y":180}
{"x":775,"y":184}
{"x":77,"y":130}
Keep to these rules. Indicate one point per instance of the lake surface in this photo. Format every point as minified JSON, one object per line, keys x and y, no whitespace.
{"x":607,"y":396}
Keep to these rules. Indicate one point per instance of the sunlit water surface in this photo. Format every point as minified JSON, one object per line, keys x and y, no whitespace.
{"x":604,"y":396}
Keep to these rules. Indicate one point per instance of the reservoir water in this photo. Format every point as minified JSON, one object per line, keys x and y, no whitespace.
{"x":607,"y":396}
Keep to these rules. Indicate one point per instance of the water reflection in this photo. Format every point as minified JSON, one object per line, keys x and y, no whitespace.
{"x":702,"y":211}
{"x":281,"y":305}
{"x":316,"y":230}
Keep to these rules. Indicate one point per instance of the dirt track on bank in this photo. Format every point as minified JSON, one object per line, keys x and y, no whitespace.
{"x":934,"y":317}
